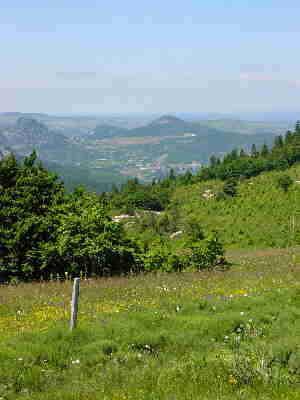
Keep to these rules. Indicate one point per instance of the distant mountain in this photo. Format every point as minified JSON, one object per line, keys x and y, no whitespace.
{"x":19,"y":114}
{"x":167,"y":125}
{"x":168,"y":120}
{"x":269,"y":116}
{"x":4,"y":147}
{"x":107,"y":131}
{"x":27,"y":133}
{"x":247,"y":127}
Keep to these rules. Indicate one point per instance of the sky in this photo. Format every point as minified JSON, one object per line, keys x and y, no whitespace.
{"x":93,"y":56}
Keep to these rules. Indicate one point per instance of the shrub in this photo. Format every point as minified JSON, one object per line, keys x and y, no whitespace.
{"x":230,"y":187}
{"x":207,"y":253}
{"x":202,"y":254}
{"x":284,"y":182}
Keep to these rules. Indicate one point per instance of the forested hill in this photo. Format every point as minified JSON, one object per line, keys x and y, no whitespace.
{"x":169,"y":125}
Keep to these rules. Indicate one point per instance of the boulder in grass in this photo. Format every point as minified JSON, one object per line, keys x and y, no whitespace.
{"x":176,"y":234}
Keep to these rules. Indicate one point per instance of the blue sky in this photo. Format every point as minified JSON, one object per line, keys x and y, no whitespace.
{"x":140,"y":56}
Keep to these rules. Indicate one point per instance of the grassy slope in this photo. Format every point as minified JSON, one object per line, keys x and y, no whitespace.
{"x":208,"y":335}
{"x":260,"y":216}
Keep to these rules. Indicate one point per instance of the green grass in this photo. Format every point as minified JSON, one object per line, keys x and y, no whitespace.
{"x":261,"y":215}
{"x":209,"y":335}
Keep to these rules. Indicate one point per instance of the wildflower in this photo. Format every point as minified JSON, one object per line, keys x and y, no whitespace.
{"x":232,"y":380}
{"x":75,"y":361}
{"x":242,"y":313}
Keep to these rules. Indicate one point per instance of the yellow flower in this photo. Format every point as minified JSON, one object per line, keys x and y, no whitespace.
{"x":232,"y":380}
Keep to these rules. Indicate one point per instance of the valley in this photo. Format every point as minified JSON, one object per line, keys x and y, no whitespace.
{"x":106,"y":150}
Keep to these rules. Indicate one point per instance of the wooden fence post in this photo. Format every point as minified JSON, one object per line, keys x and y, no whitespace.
{"x":74,"y":303}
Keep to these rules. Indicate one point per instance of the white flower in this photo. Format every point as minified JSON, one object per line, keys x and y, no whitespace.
{"x":242,"y":313}
{"x":75,"y":362}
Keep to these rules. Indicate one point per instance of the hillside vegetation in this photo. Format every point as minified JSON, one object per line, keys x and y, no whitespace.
{"x":211,"y":329}
{"x":260,"y":215}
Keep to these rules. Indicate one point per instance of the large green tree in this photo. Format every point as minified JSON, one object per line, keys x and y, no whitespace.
{"x":44,"y":231}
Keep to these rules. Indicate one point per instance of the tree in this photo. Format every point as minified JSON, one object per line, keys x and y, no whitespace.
{"x":230,"y":187}
{"x":213,"y":161}
{"x":172,"y":175}
{"x":254,"y":152}
{"x":265,"y":150}
{"x":284,"y":182}
{"x":278,"y":142}
{"x":242,"y":153}
{"x":44,"y":231}
{"x":297,"y":128}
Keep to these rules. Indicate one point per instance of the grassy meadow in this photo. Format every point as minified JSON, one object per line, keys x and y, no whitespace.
{"x":227,"y":334}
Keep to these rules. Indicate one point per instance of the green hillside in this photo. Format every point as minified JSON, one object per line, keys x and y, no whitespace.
{"x":260,"y":215}
{"x":246,"y":127}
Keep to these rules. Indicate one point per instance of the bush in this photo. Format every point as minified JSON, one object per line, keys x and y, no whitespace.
{"x":230,"y":187}
{"x":284,"y":182}
{"x":202,"y":254}
{"x":208,"y":253}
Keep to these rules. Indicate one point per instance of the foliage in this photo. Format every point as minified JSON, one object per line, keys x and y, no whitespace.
{"x":284,"y":182}
{"x":261,"y":216}
{"x":179,"y":255}
{"x":284,"y":153}
{"x":135,"y":195}
{"x":44,"y":231}
{"x":230,"y":187}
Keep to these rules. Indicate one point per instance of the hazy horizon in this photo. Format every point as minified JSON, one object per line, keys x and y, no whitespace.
{"x":126,"y":57}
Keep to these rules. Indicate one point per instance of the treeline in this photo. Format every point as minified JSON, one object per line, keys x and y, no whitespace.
{"x":45,"y":231}
{"x":238,"y":164}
